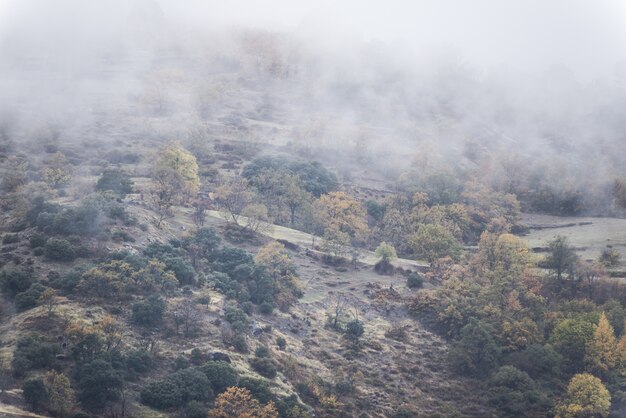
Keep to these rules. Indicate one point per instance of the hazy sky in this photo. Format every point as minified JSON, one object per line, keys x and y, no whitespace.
{"x":589,"y":36}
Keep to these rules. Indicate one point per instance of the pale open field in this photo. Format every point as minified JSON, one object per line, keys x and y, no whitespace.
{"x":587,"y":234}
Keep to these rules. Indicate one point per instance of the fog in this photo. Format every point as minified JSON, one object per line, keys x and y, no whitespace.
{"x":415,"y":85}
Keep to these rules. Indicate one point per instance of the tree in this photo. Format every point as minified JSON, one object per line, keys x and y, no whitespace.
{"x":281,"y":268}
{"x":57,"y":172}
{"x":586,"y":397}
{"x":185,"y":314}
{"x":239,"y":403}
{"x":34,"y":393}
{"x":570,"y":338}
{"x":386,"y":252}
{"x":221,"y":375}
{"x":514,"y":394}
{"x":149,"y":312}
{"x":433,"y":241}
{"x":174,"y":179}
{"x":98,"y":383}
{"x":233,"y":195}
{"x":60,"y":393}
{"x":561,"y":257}
{"x":48,"y":299}
{"x":337,"y":211}
{"x":602,"y":356}
{"x":476,"y":352}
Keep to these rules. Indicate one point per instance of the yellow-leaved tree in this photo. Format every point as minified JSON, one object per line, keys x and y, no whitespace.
{"x":239,"y":403}
{"x":174,"y":179}
{"x":586,"y":397}
{"x":343,"y":221}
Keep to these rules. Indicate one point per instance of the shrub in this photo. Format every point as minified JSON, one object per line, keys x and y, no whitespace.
{"x":139,"y":361}
{"x":195,"y":409}
{"x":162,"y":395}
{"x":38,"y":240}
{"x":281,"y":343}
{"x":354,"y":330}
{"x":258,"y":388}
{"x":32,"y":353}
{"x":221,"y":375}
{"x":236,"y":318}
{"x":13,"y":282}
{"x":149,"y":312}
{"x":116,"y":181}
{"x":59,"y":250}
{"x":10,"y":238}
{"x":240,"y":344}
{"x":34,"y":393}
{"x":266,"y":308}
{"x":29,"y":299}
{"x":610,"y":257}
{"x":415,"y":281}
{"x":98,"y":383}
{"x":264,"y":366}
{"x":38,"y":251}
{"x":193,"y":384}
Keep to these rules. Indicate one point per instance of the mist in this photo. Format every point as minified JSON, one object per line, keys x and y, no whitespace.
{"x":411,"y":86}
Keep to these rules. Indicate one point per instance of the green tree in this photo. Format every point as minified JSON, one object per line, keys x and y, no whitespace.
{"x":586,"y":397}
{"x":116,"y":181}
{"x":98,"y":384}
{"x":34,"y":393}
{"x":514,"y":394}
{"x":476,"y":352}
{"x":561,"y":257}
{"x":433,"y":241}
{"x":570,"y":338}
{"x":386,"y":252}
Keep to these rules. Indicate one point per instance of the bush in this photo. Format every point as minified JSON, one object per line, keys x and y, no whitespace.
{"x":13,"y":282}
{"x":258,"y":388}
{"x":415,"y":281}
{"x":35,"y":393}
{"x":98,"y":383}
{"x":29,"y":299}
{"x":177,"y":389}
{"x":38,"y":240}
{"x":264,"y":366}
{"x":38,"y":252}
{"x":116,"y":181}
{"x":195,"y":409}
{"x":139,"y":361}
{"x":236,"y":318}
{"x":240,"y":344}
{"x":59,"y":250}
{"x":281,"y":343}
{"x":266,"y":308}
{"x":10,"y":238}
{"x":221,"y":375}
{"x":32,"y":353}
{"x":610,"y":257}
{"x":354,"y":330}
{"x":149,"y":312}
{"x":162,"y":395}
